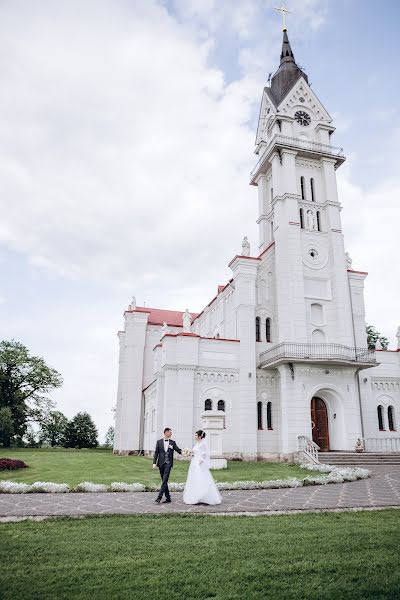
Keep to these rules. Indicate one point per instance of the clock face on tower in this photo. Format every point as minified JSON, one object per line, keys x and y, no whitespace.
{"x":302,"y":117}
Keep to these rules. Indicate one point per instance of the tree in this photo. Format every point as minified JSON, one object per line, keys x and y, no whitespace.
{"x":53,"y":428}
{"x":110,"y":436}
{"x":6,"y":427}
{"x":25,"y":381}
{"x":81,"y":432}
{"x":373,"y":336}
{"x":32,"y":439}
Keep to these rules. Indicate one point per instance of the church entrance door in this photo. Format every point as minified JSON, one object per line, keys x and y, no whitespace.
{"x":319,"y":424}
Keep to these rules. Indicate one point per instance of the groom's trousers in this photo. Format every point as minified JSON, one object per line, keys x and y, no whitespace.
{"x":165,"y":471}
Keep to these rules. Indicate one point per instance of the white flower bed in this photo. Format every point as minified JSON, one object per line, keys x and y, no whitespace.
{"x":329,"y":474}
{"x":12,"y":487}
{"x":120,"y":486}
{"x":92,"y":488}
{"x":49,"y":487}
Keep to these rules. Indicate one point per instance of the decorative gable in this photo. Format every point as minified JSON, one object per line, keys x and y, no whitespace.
{"x":301,"y":94}
{"x":267,"y":112}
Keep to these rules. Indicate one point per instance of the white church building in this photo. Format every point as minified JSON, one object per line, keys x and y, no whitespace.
{"x":280,"y":354}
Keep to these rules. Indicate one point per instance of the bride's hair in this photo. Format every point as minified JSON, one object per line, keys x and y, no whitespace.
{"x":201,"y":434}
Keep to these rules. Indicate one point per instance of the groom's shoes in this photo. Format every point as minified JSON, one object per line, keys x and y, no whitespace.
{"x":167,"y":501}
{"x":158,"y":500}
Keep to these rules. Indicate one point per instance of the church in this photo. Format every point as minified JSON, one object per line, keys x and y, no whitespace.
{"x":280,"y":354}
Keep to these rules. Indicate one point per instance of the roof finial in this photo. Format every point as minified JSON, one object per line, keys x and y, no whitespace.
{"x":283,"y":10}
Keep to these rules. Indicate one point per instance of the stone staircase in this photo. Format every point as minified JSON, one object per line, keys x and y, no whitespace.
{"x":363,"y":459}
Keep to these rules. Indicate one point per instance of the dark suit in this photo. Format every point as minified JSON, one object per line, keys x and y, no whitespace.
{"x":165,"y":462}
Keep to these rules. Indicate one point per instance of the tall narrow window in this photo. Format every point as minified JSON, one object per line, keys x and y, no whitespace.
{"x":303,"y":188}
{"x":392,"y":425}
{"x":208,"y":404}
{"x":380,"y":418}
{"x":312,"y":189}
{"x":302,"y":218}
{"x":318,"y":220}
{"x":269,"y":415}
{"x":272,"y":194}
{"x":258,"y":330}
{"x":221,"y":405}
{"x":268,"y":329}
{"x":259,"y":415}
{"x":272,"y":231}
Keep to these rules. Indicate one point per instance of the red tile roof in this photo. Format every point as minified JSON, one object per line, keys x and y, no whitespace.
{"x":157,"y":316}
{"x":353,"y":271}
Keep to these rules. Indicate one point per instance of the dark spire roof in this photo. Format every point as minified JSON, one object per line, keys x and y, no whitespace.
{"x":287,"y":74}
{"x":286,"y":54}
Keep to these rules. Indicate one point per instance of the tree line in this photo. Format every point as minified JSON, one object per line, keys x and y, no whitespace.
{"x":27,"y":415}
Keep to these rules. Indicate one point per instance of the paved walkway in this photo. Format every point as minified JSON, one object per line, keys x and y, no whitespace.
{"x":382,"y":489}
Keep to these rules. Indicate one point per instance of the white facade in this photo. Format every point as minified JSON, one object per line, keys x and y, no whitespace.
{"x":282,"y":348}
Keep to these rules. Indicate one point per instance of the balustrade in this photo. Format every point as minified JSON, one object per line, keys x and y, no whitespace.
{"x":297,"y":143}
{"x":388,"y":444}
{"x":295,"y":351}
{"x":309,"y":448}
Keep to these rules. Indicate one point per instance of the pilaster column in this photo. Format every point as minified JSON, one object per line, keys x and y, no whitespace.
{"x":180,"y":358}
{"x":118,"y":408}
{"x":244,"y":275}
{"x":131,"y":383}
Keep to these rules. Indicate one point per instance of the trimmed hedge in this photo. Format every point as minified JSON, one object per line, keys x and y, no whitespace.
{"x":11,"y":464}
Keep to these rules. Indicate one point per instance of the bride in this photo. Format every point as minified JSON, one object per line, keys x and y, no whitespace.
{"x":200,"y":486}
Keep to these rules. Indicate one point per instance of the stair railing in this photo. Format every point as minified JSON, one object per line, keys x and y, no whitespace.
{"x":308,"y":448}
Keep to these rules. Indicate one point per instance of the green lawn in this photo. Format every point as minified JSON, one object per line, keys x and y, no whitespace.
{"x":101,"y":466}
{"x":326,"y":556}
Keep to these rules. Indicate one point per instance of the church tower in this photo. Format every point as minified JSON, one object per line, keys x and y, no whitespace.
{"x":316,"y":306}
{"x":299,"y":209}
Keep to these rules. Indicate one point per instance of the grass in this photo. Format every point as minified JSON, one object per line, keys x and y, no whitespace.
{"x":101,"y":466}
{"x":326,"y":556}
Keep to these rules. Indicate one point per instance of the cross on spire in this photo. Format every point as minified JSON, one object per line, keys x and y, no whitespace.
{"x":283,"y":10}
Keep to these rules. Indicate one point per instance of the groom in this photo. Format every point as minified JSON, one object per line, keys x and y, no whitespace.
{"x":164,"y":458}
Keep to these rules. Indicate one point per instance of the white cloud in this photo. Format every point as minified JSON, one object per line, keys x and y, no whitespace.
{"x":370,"y":223}
{"x":122,"y":151}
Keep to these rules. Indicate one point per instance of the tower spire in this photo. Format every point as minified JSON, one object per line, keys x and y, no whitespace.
{"x":287,"y":53}
{"x":287,"y":74}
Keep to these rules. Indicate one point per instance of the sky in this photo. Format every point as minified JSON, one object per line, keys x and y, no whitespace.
{"x":127,"y":134}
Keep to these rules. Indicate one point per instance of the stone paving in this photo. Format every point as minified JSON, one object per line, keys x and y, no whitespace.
{"x":381,"y":490}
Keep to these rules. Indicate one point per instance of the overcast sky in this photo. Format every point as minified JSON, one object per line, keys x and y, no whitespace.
{"x":126,"y":140}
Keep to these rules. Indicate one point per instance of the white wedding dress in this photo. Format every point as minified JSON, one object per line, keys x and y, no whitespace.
{"x":200,"y":485}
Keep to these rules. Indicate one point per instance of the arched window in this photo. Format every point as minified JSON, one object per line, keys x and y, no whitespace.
{"x":221,"y":405}
{"x":318,"y":337}
{"x":380,"y":418}
{"x":258,"y":330}
{"x":208,"y":404}
{"x":303,"y":188}
{"x":312,"y":190}
{"x":268,"y":329}
{"x":269,"y":415}
{"x":302,"y":218}
{"x":392,"y":424}
{"x":259,"y":415}
{"x":318,"y":220}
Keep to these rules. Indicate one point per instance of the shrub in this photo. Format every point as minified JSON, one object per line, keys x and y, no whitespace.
{"x":11,"y":464}
{"x":88,"y":486}
{"x":49,"y":487}
{"x":120,"y":486}
{"x":14,"y":487}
